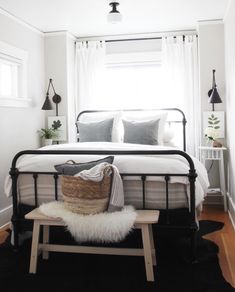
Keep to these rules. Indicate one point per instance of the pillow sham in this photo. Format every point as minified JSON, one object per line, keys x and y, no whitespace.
{"x":141,"y":132}
{"x":145,"y":117}
{"x":95,"y":131}
{"x":101,"y":116}
{"x":71,"y":168}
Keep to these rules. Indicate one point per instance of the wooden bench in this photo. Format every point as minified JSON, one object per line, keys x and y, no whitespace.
{"x":144,"y":221}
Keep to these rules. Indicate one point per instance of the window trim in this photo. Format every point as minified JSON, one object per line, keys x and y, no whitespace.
{"x":133,"y":58}
{"x":18,"y":56}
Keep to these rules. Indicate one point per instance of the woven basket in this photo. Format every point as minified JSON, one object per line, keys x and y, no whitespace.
{"x":86,"y":196}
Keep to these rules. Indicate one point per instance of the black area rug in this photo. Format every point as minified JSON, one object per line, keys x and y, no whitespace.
{"x":74,"y":272}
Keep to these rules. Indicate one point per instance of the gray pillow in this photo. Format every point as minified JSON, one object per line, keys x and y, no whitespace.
{"x":96,"y":131}
{"x":141,"y":132}
{"x":71,"y":168}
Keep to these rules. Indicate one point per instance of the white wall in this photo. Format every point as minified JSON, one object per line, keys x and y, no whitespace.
{"x":18,"y":126}
{"x":230,"y":96}
{"x":59,"y":62}
{"x":211,"y":56}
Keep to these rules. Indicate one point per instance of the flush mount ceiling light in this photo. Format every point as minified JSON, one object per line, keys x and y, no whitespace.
{"x":114,"y":15}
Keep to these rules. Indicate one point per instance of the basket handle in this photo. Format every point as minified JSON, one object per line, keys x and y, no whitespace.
{"x":70,"y":162}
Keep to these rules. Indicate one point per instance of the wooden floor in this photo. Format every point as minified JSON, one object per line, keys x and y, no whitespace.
{"x":224,"y":238}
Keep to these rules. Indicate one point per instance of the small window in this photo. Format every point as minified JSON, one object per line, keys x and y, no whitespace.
{"x":13,"y":76}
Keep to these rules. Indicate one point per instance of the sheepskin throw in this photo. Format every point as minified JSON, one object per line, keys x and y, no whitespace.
{"x":101,"y":227}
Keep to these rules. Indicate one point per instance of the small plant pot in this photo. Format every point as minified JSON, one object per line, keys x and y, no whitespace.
{"x":216,"y":144}
{"x":47,"y":142}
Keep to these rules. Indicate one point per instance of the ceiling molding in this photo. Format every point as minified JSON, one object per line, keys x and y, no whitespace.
{"x":212,"y":21}
{"x":20,"y":21}
{"x":59,"y":33}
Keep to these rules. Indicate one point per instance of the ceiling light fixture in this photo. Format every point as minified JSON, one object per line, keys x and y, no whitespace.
{"x":114,"y":15}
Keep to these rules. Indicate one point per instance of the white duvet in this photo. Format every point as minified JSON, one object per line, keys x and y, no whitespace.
{"x":125,"y":163}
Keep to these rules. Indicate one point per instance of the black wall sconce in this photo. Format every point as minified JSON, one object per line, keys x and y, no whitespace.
{"x":213,"y":93}
{"x":56,"y":99}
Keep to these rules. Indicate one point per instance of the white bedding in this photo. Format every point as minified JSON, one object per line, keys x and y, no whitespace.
{"x":125,"y":164}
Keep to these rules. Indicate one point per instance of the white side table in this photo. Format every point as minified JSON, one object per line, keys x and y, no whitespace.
{"x":216,"y":153}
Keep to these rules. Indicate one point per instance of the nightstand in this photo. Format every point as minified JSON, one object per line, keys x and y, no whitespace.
{"x":216,"y":153}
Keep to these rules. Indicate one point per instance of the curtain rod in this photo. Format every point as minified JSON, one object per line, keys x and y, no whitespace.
{"x":138,"y":37}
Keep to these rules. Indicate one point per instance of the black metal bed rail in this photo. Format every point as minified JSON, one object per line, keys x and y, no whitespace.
{"x":14,"y":172}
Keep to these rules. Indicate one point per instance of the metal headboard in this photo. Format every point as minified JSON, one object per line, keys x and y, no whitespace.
{"x":182,"y":121}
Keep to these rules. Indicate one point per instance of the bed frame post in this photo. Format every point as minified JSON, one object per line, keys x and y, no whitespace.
{"x":15,"y":216}
{"x":193,"y":225}
{"x":184,"y":132}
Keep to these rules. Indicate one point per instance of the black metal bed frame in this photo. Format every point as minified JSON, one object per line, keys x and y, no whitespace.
{"x":191,"y":225}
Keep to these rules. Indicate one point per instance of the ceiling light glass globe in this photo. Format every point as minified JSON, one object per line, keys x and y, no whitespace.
{"x":114,"y":17}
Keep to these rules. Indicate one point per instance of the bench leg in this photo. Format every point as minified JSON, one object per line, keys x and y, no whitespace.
{"x":145,"y":230}
{"x":46,"y":233}
{"x":152,"y":245}
{"x":34,"y":248}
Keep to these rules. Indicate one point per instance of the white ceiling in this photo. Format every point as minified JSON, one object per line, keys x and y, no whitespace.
{"x":88,"y":17}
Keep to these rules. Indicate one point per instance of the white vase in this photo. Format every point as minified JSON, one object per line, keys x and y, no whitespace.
{"x":47,"y":142}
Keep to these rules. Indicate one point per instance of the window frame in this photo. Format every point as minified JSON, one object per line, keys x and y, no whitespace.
{"x":18,"y":57}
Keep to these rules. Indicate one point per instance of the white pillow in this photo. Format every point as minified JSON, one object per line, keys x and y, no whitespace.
{"x":168,"y":135}
{"x":144,"y":116}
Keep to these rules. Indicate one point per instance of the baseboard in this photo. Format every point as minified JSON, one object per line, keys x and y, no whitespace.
{"x":5,"y":227}
{"x":5,"y":216}
{"x":231,"y":210}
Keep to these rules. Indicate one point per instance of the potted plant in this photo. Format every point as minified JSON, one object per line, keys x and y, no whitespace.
{"x":48,"y":134}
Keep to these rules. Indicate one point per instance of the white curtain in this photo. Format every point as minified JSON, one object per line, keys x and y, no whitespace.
{"x":180,"y":67}
{"x":90,"y":63}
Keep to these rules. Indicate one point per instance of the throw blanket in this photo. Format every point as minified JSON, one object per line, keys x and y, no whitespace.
{"x":96,"y":173}
{"x":102,"y":227}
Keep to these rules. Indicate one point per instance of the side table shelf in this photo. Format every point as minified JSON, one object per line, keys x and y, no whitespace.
{"x":216,"y":153}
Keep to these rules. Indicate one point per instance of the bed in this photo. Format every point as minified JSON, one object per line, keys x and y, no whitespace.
{"x":155,"y":175}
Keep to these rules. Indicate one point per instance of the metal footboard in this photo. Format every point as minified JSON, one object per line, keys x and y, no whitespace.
{"x":191,"y":175}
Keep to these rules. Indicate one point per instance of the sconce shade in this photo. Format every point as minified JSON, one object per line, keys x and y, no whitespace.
{"x":47,"y":104}
{"x":214,"y":97}
{"x":213,"y":93}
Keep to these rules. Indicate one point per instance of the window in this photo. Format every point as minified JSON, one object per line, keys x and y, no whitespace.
{"x":132,"y":80}
{"x":13,"y":76}
{"x":8,"y":79}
